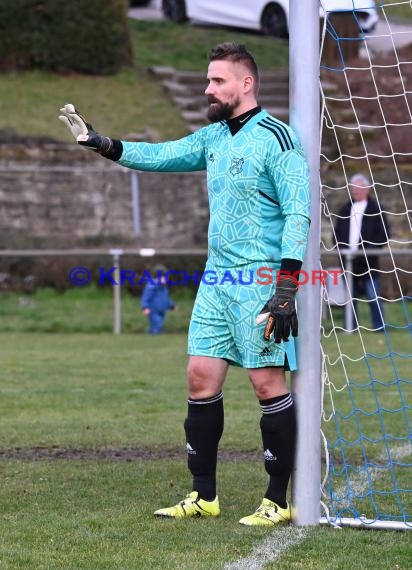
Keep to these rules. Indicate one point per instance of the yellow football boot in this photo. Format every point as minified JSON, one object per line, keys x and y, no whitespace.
{"x":268,"y":514}
{"x":192,"y":506}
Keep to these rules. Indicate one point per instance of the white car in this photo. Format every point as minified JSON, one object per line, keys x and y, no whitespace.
{"x":271,"y":17}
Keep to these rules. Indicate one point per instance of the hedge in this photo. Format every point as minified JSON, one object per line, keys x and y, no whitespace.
{"x":86,"y":36}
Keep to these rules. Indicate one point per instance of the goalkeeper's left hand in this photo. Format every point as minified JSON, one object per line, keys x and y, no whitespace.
{"x":280,"y":312}
{"x":83,"y":132}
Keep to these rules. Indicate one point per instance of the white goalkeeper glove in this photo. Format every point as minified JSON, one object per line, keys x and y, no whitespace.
{"x":83,"y":132}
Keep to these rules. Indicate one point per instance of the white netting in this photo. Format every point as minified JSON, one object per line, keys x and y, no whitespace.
{"x":366,"y":85}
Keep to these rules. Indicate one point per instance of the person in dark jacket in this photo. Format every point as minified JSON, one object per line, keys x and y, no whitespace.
{"x":156,"y":300}
{"x":361,"y":225}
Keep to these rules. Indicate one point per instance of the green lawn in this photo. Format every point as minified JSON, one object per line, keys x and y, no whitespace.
{"x":92,"y":442}
{"x":84,"y":309}
{"x":89,"y":309}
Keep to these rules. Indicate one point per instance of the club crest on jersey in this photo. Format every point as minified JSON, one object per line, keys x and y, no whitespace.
{"x":236,"y":166}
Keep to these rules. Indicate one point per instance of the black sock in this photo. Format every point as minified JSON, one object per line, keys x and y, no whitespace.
{"x":278,"y":426}
{"x":204,"y":428}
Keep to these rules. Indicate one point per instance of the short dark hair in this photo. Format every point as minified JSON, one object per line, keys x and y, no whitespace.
{"x":237,"y":53}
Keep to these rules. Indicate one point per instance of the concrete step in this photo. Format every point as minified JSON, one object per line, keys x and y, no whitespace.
{"x":174,"y":87}
{"x":197,"y":90}
{"x":189,"y":77}
{"x":200,"y":101}
{"x":273,"y":88}
{"x":194,"y":116}
{"x":190,"y":103}
{"x":193,"y":76}
{"x":162,"y":71}
{"x":275,"y":75}
{"x":280,"y":76}
{"x":186,"y":89}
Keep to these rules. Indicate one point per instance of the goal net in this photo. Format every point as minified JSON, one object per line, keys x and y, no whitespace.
{"x":366,"y":93}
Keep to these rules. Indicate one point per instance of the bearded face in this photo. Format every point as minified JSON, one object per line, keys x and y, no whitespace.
{"x":230,"y":90}
{"x":219,"y":111}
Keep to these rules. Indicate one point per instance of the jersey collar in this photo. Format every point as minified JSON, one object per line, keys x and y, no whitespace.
{"x":240,"y":121}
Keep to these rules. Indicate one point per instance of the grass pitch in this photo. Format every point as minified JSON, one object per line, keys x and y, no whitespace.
{"x":92,"y":442}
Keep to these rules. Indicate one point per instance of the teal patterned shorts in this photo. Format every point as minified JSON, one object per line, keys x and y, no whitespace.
{"x":223,"y":326}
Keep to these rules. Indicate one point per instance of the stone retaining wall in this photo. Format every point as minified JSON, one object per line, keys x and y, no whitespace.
{"x":58,"y":195}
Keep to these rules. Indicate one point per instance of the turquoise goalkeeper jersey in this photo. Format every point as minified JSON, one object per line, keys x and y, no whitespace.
{"x":258,"y":186}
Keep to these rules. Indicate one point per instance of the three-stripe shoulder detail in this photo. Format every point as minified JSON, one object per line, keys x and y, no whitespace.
{"x":280,"y":132}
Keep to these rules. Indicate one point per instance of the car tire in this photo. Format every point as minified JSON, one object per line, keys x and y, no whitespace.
{"x":273,"y":22}
{"x":174,"y":10}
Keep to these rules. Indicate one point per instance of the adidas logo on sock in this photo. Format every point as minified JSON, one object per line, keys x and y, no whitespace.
{"x":190,"y":449}
{"x":268,"y":455}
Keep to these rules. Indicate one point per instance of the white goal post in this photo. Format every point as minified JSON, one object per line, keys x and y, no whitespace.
{"x":304,"y":113}
{"x":353,"y":389}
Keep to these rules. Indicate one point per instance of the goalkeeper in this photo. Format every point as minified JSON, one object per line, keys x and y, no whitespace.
{"x":258,"y":186}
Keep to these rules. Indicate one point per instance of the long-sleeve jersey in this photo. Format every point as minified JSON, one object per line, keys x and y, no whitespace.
{"x":258,"y":187}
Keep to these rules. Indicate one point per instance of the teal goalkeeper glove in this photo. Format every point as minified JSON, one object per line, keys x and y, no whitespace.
{"x":83,"y":132}
{"x":280,"y":312}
